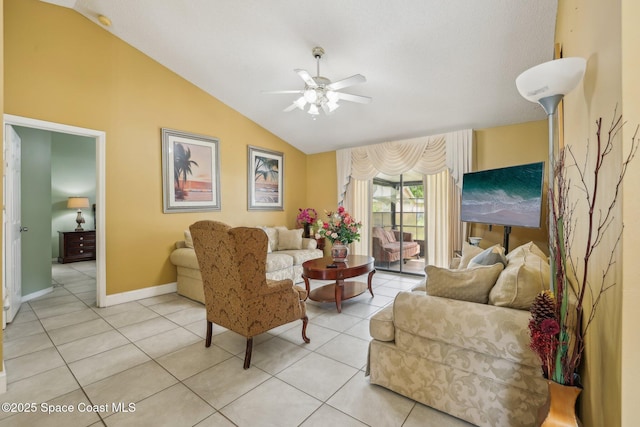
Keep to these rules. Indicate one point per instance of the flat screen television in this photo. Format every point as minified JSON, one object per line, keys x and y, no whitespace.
{"x":510,"y":196}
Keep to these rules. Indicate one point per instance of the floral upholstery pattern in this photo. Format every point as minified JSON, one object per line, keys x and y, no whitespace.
{"x":278,"y":261}
{"x":281,"y":265}
{"x":470,"y":360}
{"x":237,"y":294}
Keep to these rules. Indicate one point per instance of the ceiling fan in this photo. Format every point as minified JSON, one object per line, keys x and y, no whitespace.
{"x":320,"y":93}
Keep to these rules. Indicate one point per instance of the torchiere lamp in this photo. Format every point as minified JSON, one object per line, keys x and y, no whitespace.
{"x":547,"y":84}
{"x":78,"y":203}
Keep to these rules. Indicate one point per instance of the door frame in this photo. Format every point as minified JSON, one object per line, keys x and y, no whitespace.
{"x":100,"y":139}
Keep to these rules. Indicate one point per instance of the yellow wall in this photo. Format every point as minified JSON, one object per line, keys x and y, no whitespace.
{"x":591,"y":29}
{"x":322,"y":184}
{"x":631,"y":206}
{"x":509,"y":146}
{"x":1,"y":133}
{"x":61,"y":67}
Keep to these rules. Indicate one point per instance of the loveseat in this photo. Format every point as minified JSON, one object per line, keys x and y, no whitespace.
{"x":386,"y":245}
{"x":460,"y":342}
{"x":286,"y":252}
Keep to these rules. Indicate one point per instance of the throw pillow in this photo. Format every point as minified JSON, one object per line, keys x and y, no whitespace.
{"x":272,"y":234}
{"x":490,"y":256}
{"x":188,"y":241}
{"x":468,"y":252}
{"x":523,"y":251}
{"x":290,"y":239}
{"x":471,"y":284}
{"x":520,"y":282}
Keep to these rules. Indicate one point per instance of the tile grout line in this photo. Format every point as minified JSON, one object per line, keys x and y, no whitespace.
{"x":359,"y":371}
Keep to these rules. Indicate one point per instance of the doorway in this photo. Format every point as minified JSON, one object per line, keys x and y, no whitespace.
{"x":94,"y":136}
{"x":398,"y":223}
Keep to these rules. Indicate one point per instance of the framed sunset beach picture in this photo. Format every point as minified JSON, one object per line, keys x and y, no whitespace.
{"x":265,"y":179}
{"x":190,"y":172}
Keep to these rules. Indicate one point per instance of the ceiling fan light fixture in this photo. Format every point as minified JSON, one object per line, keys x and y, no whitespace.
{"x":332,"y":106}
{"x":310,"y":96}
{"x":320,"y":93}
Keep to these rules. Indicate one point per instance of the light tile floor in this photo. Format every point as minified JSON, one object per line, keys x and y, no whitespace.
{"x":144,"y":363}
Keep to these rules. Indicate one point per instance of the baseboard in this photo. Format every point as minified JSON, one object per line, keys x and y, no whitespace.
{"x":37,"y":294}
{"x":151,"y":291}
{"x":3,"y":379}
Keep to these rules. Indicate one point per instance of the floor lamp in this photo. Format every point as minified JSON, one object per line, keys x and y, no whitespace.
{"x":547,"y":84}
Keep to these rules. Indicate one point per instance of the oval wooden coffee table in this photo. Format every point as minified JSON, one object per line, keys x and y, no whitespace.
{"x":356,"y":265}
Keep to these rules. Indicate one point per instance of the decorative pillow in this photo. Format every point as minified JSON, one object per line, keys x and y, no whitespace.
{"x":468,"y":252}
{"x":520,"y":282}
{"x":490,"y":256}
{"x":525,"y":250}
{"x":290,"y":239}
{"x":471,"y":284}
{"x":188,"y":241}
{"x":272,"y":234}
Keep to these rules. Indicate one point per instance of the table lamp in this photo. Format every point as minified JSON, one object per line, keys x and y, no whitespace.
{"x":78,"y":203}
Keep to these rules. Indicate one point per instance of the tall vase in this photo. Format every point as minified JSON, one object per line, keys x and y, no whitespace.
{"x":339,"y":252}
{"x":307,"y":230}
{"x":560,"y":408}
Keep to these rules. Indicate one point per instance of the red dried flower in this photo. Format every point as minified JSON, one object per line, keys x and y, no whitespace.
{"x":549,"y":327}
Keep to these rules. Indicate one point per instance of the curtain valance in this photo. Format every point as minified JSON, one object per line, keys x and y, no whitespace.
{"x":426,"y":155}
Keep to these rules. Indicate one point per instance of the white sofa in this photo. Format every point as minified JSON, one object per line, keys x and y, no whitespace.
{"x":287,"y":251}
{"x":469,"y":359}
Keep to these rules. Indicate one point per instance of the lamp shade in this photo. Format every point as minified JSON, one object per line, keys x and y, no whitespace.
{"x":557,"y":77}
{"x":77,"y":202}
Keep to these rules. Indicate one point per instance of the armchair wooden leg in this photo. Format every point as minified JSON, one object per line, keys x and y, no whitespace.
{"x":208,"y":339}
{"x":305,"y":320}
{"x":247,"y":353}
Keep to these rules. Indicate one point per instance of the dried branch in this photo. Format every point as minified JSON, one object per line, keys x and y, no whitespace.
{"x":599,"y":222}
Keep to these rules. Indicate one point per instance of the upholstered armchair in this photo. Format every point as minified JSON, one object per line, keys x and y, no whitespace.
{"x":386,"y":245}
{"x":237,"y":294}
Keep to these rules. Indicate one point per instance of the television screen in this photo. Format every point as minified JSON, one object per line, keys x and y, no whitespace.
{"x":510,"y":196}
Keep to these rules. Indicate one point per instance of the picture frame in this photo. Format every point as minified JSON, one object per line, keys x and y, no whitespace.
{"x":265,"y":180}
{"x":190,"y":172}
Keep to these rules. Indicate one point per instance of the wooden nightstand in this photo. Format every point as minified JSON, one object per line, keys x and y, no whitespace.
{"x":76,"y":246}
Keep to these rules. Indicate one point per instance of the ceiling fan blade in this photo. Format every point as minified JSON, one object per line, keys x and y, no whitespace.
{"x":290,"y":108}
{"x":353,"y":98}
{"x":325,"y":108}
{"x":304,"y":75}
{"x":275,"y":92}
{"x":349,"y":81}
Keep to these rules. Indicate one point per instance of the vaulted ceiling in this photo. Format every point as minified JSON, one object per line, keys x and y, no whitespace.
{"x":431,"y":66}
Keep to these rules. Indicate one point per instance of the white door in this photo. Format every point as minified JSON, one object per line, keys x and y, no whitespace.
{"x":12,"y":283}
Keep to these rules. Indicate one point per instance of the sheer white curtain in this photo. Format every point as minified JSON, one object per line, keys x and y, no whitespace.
{"x":429,"y":156}
{"x":358,"y":203}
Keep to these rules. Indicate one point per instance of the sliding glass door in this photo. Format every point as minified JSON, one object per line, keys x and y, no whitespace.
{"x":398,"y":223}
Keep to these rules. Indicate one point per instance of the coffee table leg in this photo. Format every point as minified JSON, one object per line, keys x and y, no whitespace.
{"x":369,"y":281}
{"x":338,"y":292}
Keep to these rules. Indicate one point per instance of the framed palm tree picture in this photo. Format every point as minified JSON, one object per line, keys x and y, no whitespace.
{"x":266,"y":179}
{"x":190,"y":172}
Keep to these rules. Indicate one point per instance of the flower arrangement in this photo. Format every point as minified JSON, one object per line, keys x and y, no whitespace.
{"x":557,"y":328}
{"x":306,"y":216}
{"x":341,"y":227}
